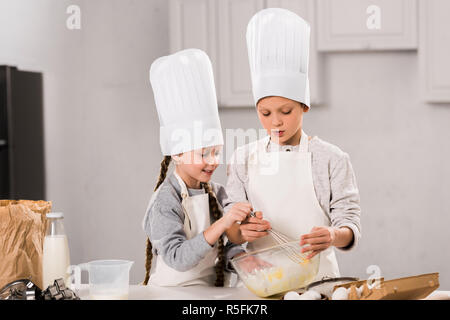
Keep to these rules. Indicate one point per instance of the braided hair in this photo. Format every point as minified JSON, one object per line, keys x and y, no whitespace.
{"x":217,"y":214}
{"x":149,"y":254}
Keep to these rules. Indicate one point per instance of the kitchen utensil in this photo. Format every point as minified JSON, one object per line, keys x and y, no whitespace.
{"x":271,"y":271}
{"x":58,"y":291}
{"x":108,"y":279}
{"x":23,"y":289}
{"x":284,"y":241}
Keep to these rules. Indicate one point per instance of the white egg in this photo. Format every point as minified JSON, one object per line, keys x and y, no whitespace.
{"x":291,"y":295}
{"x":340,"y":293}
{"x":310,"y":295}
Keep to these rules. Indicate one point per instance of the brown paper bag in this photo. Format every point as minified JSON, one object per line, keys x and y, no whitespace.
{"x":22,"y":232}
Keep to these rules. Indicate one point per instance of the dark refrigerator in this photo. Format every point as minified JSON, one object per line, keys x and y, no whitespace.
{"x":22,"y":166}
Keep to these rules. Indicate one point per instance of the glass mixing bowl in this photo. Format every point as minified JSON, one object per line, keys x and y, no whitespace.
{"x":272,"y":270}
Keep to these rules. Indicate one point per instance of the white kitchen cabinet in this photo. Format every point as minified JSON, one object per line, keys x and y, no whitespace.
{"x":235,"y":84}
{"x":193,"y":24}
{"x":218,"y":27}
{"x":434,"y":51}
{"x":352,"y":25}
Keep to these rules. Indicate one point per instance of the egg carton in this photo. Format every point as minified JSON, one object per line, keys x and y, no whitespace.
{"x":409,"y":288}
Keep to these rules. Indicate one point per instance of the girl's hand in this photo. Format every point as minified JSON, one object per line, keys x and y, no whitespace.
{"x":254,"y":227}
{"x":319,"y":239}
{"x":237,"y":213}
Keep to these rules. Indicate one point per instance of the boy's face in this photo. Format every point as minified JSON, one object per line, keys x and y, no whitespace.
{"x":199,"y":165}
{"x":282,"y":118}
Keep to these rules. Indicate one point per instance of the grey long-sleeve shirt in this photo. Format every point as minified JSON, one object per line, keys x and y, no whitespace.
{"x":333,"y":179}
{"x":164,"y":225}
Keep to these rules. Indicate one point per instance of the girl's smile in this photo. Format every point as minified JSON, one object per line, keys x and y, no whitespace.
{"x":198,"y":166}
{"x":208,"y":172}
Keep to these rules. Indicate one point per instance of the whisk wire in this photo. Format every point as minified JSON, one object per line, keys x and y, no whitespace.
{"x":286,"y":245}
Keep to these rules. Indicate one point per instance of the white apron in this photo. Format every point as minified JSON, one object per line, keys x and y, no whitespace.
{"x":281,"y":187}
{"x":197,"y":219}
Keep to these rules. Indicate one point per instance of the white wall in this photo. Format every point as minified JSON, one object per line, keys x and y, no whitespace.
{"x":102,"y":136}
{"x":101,"y":127}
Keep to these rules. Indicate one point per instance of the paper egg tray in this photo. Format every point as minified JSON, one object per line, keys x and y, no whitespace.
{"x":409,"y":288}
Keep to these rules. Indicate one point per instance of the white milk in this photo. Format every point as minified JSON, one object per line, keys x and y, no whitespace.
{"x":55,"y":260}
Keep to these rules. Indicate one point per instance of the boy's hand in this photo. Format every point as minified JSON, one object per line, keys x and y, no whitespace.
{"x":254,"y":227}
{"x":319,"y":239}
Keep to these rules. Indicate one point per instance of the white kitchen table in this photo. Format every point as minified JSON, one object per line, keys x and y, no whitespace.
{"x":151,"y":292}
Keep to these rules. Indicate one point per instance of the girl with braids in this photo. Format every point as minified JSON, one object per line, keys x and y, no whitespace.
{"x":184,"y":221}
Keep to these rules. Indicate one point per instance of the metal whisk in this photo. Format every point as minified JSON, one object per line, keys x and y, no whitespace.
{"x":286,"y":244}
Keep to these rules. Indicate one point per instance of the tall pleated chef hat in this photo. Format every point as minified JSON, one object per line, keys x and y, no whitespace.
{"x":278,"y":51}
{"x":186,"y":101}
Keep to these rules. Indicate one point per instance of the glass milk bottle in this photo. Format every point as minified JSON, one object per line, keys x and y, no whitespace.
{"x":56,"y":257}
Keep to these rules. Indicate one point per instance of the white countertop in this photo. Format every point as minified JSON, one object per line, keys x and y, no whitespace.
{"x":151,"y":292}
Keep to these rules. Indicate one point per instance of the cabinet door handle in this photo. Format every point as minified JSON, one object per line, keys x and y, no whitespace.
{"x":3,"y":143}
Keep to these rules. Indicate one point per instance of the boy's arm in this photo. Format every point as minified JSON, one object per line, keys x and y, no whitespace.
{"x":345,"y":211}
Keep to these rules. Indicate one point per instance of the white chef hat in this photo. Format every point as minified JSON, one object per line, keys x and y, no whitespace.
{"x":278,"y":51}
{"x":186,"y":101}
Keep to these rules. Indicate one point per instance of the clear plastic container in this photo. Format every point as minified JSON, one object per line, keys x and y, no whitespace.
{"x":108,"y":279}
{"x":56,"y":255}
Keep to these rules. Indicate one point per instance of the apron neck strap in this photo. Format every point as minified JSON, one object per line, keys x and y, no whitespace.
{"x":303,"y":143}
{"x":184,"y":191}
{"x":303,"y":147}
